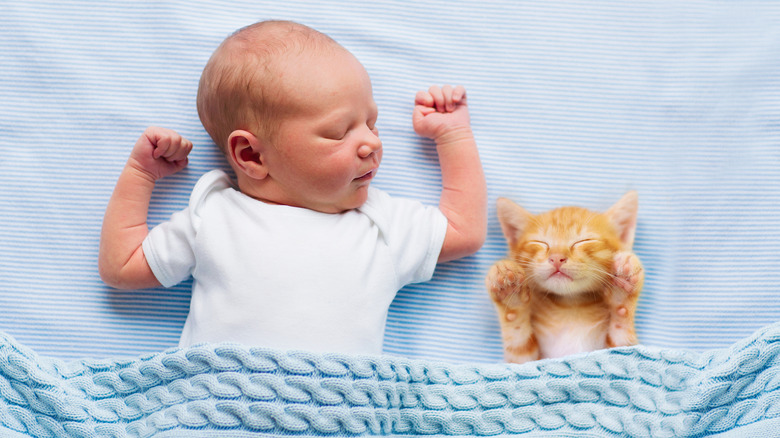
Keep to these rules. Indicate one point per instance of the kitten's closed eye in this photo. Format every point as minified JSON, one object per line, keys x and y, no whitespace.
{"x":543,"y":244}
{"x":582,"y":242}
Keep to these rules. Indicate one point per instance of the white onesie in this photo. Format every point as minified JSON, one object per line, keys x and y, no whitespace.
{"x":292,"y":278}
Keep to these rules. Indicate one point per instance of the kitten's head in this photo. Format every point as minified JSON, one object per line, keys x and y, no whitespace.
{"x":568,"y":250}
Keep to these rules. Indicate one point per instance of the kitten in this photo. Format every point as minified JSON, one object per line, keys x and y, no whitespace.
{"x":570,"y":283}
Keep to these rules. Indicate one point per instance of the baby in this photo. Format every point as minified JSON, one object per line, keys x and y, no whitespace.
{"x":302,"y":253}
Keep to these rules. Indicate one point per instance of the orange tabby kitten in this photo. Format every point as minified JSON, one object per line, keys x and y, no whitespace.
{"x":570,"y":283}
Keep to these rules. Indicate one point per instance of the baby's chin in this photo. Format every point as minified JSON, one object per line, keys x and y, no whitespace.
{"x":355,"y":200}
{"x":360,"y":196}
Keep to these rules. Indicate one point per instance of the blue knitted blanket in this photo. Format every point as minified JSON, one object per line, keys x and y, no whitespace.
{"x":230,"y":390}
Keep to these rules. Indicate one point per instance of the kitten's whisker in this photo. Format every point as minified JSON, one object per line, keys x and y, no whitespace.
{"x":605,"y":283}
{"x":603,"y":271}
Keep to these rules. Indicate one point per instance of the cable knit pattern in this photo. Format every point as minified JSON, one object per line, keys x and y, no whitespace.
{"x":637,"y":392}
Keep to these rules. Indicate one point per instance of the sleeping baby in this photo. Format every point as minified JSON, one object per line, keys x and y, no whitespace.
{"x":301,"y":252}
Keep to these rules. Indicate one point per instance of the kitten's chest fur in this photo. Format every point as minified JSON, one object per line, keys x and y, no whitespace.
{"x":568,"y":325}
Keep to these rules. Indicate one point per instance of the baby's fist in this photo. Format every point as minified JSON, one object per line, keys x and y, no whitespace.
{"x":160,"y":152}
{"x":440,"y":110}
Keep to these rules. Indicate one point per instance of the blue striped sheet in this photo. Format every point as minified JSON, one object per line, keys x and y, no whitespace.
{"x":572,"y":102}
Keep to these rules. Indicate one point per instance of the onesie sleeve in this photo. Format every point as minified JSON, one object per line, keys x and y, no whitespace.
{"x":170,"y":246}
{"x":414,"y":233}
{"x":169,"y":249}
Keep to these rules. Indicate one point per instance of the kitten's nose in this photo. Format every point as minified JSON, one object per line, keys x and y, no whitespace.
{"x":557,"y":260}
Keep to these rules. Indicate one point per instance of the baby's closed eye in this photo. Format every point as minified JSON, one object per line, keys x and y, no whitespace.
{"x":335,"y":133}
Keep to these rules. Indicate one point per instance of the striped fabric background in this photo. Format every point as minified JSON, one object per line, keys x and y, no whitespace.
{"x":572,"y":102}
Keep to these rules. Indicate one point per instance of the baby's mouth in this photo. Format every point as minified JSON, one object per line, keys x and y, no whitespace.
{"x":367,"y":176}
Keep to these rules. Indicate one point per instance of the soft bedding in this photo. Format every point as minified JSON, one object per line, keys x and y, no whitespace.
{"x":230,"y":390}
{"x":572,"y":103}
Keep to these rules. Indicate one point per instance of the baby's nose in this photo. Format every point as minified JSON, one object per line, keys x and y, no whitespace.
{"x":365,"y":151}
{"x":369,"y":146}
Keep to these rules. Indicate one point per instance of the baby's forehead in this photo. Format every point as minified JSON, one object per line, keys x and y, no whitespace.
{"x":270,"y":53}
{"x":279,"y":38}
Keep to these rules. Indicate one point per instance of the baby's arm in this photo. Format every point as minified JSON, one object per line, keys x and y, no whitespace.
{"x":159,"y":152}
{"x":442,"y":115}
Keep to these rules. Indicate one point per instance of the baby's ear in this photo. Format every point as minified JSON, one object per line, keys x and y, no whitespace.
{"x":623,"y":216}
{"x":245,"y":152}
{"x":513,"y":219}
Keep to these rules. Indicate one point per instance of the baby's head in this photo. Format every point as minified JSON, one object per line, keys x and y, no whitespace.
{"x":239,"y":87}
{"x":294,"y":113}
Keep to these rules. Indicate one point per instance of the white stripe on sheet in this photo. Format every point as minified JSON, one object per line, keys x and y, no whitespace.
{"x":572,"y":102}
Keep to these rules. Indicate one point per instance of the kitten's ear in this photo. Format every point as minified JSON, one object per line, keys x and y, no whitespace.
{"x":513,"y":219}
{"x":623,"y":216}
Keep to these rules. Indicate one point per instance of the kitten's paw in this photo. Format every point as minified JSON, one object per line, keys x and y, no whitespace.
{"x":520,"y":350}
{"x":504,"y":280}
{"x":621,"y":336}
{"x":627,"y":272}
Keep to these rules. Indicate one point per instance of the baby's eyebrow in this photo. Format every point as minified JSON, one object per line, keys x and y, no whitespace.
{"x":333,"y":119}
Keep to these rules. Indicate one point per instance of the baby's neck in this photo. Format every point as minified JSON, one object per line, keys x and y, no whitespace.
{"x":267,"y":192}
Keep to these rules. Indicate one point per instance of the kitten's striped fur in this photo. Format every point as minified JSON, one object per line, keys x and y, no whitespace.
{"x":570,"y":283}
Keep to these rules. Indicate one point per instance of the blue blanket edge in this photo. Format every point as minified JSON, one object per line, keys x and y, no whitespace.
{"x":216,"y":389}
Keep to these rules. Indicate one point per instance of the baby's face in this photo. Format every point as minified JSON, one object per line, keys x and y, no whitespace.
{"x":327,"y":151}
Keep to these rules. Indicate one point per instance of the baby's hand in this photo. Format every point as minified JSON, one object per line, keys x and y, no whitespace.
{"x":439,"y":111}
{"x":160,"y":152}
